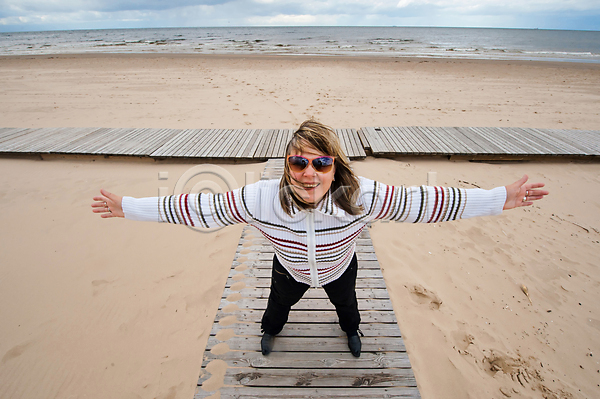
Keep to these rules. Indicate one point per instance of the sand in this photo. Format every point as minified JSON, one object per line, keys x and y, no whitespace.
{"x":97,"y":308}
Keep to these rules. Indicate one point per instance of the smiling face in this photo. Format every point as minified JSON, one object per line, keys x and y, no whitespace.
{"x":309,"y":184}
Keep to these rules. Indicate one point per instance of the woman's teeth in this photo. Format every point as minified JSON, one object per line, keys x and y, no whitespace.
{"x":310,"y":185}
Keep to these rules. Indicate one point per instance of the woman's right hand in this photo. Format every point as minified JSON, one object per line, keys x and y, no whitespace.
{"x":108,"y":205}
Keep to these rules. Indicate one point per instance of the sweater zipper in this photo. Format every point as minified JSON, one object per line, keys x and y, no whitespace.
{"x":312,"y":248}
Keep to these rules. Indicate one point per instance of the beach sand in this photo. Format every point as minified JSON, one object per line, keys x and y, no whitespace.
{"x":96,"y":308}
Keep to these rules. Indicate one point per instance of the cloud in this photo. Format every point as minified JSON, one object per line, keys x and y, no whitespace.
{"x":81,"y":14}
{"x":508,"y":5}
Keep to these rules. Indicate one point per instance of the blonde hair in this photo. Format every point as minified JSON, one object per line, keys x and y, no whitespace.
{"x":345,"y":186}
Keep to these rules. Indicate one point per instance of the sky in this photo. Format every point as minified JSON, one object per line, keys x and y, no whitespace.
{"x":41,"y":15}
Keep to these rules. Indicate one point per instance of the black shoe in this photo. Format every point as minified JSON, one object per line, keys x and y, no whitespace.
{"x":266,"y":343}
{"x":354,"y":344}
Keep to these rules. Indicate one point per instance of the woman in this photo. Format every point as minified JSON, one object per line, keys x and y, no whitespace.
{"x":313,"y":216}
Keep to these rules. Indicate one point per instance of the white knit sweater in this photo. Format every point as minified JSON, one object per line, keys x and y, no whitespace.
{"x":316,"y":246}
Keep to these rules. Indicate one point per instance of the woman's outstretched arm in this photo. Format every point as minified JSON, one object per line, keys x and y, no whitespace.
{"x":428,"y":204}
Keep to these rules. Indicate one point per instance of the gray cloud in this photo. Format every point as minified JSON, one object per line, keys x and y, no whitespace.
{"x":77,"y":14}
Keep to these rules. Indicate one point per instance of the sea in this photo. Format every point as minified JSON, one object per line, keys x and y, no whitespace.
{"x":466,"y":43}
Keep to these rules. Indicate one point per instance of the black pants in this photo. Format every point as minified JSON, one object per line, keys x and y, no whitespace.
{"x":286,"y":292}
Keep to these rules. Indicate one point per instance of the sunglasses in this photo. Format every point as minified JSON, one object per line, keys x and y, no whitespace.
{"x":298,"y":163}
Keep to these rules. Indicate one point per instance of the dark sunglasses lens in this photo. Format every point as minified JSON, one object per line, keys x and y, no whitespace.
{"x":322,"y":164}
{"x":298,"y":164}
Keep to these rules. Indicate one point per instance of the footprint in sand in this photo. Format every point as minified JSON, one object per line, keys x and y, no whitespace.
{"x":423,"y":296}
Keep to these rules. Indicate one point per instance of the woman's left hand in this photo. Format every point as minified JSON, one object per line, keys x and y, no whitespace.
{"x":521,"y":194}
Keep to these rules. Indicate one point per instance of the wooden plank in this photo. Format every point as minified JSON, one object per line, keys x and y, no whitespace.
{"x":311,"y":304}
{"x":422,"y":145}
{"x":107,"y":137}
{"x":516,"y":136}
{"x":438,"y":147}
{"x":20,"y":143}
{"x":306,"y":392}
{"x":10,"y":134}
{"x":323,"y":378}
{"x":354,"y":136}
{"x":456,"y":147}
{"x":386,"y":138}
{"x":322,"y":330}
{"x":375,"y":141}
{"x":505,"y":142}
{"x":441,"y":141}
{"x":207,"y":137}
{"x":363,"y":139}
{"x":545,"y":147}
{"x":301,"y":344}
{"x":134,"y":141}
{"x":361,"y":293}
{"x":226,"y":141}
{"x":563,"y":148}
{"x":457,"y":140}
{"x":591,"y":138}
{"x":252,"y":135}
{"x":214,"y":141}
{"x":405,"y":141}
{"x":117,"y":140}
{"x":255,"y":282}
{"x":254,"y":316}
{"x":313,"y":360}
{"x":349,"y":144}
{"x":173,"y":145}
{"x":233,"y":147}
{"x":577,"y":140}
{"x":341,"y":133}
{"x":44,"y":142}
{"x":482,"y":139}
{"x":274,"y":149}
{"x":238,"y":140}
{"x":186,"y":139}
{"x":263,"y":149}
{"x":252,"y":151}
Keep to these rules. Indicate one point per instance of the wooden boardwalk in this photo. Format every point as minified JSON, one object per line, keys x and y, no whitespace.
{"x":263,"y":144}
{"x":480,"y":141}
{"x":311,"y":357}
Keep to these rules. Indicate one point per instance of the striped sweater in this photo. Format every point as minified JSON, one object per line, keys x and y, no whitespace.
{"x":316,"y":246}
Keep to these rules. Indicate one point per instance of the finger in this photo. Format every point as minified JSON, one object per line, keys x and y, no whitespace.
{"x":522,"y":180}
{"x":537,"y":192}
{"x":107,"y":194}
{"x":534,"y":186}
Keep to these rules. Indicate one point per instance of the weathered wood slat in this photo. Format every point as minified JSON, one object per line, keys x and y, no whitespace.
{"x":306,"y":392}
{"x":250,"y":153}
{"x":247,"y":143}
{"x":331,"y":378}
{"x":361,"y":293}
{"x":312,"y":304}
{"x":324,"y":316}
{"x":264,"y":282}
{"x":186,"y":140}
{"x":314,"y":330}
{"x":338,"y":360}
{"x":300,"y":344}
